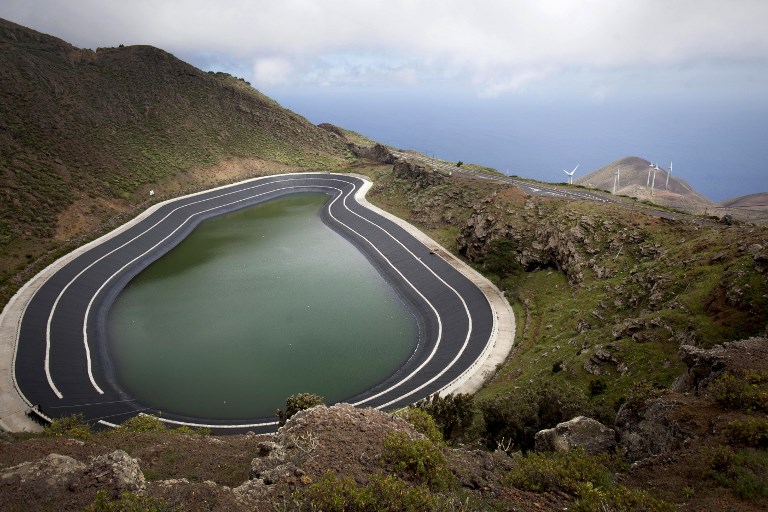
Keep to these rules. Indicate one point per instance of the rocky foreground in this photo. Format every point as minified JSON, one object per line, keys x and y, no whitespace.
{"x":678,"y":447}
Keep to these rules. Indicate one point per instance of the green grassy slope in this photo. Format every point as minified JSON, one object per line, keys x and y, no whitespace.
{"x":601,"y":292}
{"x":103,"y":127}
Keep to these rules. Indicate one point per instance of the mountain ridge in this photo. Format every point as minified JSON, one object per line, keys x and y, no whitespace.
{"x":96,"y":130}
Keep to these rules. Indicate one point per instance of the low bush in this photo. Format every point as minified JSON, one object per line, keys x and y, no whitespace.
{"x":618,"y":499}
{"x":745,"y":471}
{"x":143,"y":423}
{"x":423,"y":422}
{"x":332,"y":494}
{"x":417,"y":459}
{"x":745,"y":391}
{"x":752,"y":432}
{"x":296,"y":403}
{"x":516,"y":417}
{"x":563,"y":471}
{"x":453,"y":414}
{"x":70,"y":426}
{"x":126,"y":502}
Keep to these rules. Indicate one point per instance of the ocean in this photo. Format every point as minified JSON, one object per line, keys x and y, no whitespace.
{"x":719,"y":147}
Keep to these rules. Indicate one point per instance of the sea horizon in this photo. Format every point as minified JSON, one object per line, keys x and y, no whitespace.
{"x":716,"y":146}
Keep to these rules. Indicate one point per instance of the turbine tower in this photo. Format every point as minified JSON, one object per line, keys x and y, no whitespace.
{"x":570,"y":174}
{"x":666,"y":187}
{"x":616,"y":178}
{"x":648,"y":181}
{"x":653,"y":183}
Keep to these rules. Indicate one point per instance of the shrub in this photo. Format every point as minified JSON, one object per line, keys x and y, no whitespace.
{"x":423,"y":422}
{"x":619,"y":498}
{"x":752,"y":431}
{"x":126,"y":502}
{"x":745,"y":472}
{"x":597,"y":387}
{"x":418,"y":459}
{"x":143,"y":423}
{"x":332,"y":494}
{"x":563,"y":471}
{"x":296,"y":403}
{"x":453,"y":414}
{"x":70,"y":426}
{"x":199,"y":431}
{"x":747,"y":391}
{"x":517,"y":417}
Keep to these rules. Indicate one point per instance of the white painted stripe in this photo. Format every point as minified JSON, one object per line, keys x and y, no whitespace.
{"x":345,"y":196}
{"x":63,"y":291}
{"x":458,"y":355}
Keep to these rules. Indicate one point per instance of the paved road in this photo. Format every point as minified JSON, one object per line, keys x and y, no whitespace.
{"x":538,"y":189}
{"x":62,"y":363}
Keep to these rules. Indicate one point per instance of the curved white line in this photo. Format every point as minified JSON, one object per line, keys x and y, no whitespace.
{"x":47,"y":366}
{"x":120,"y":270}
{"x":458,"y":355}
{"x":345,"y":196}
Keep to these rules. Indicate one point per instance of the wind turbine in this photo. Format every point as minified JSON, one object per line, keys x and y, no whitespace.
{"x":648,"y":181}
{"x":653,"y":183}
{"x":570,"y":174}
{"x":616,"y":178}
{"x":666,"y":187}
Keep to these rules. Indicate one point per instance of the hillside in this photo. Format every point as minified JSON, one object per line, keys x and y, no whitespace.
{"x":634,"y":181}
{"x":86,"y":134}
{"x":752,"y":207}
{"x":627,"y":318}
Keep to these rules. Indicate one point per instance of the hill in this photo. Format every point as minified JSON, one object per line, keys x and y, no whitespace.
{"x":621,"y":316}
{"x":86,"y":134}
{"x":752,"y":207}
{"x":635,"y":181}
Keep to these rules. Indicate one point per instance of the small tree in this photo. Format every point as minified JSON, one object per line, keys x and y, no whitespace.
{"x":453,"y":414}
{"x":296,"y":403}
{"x":459,"y":163}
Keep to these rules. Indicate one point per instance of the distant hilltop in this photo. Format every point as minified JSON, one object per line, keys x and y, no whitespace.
{"x":645,"y":180}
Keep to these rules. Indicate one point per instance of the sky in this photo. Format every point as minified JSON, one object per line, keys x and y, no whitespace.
{"x":483,"y":52}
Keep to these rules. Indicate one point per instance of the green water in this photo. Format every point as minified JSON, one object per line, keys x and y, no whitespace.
{"x":252,"y":307}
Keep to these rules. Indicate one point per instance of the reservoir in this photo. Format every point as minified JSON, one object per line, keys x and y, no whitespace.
{"x":252,"y":307}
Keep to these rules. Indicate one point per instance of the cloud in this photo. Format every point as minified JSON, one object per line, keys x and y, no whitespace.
{"x":273,"y":71}
{"x":496,"y":46}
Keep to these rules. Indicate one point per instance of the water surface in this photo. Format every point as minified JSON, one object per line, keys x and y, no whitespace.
{"x":252,"y":307}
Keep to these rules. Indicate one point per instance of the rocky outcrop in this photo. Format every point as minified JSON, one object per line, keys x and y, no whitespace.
{"x":116,"y":472}
{"x":52,"y":473}
{"x":308,"y":445}
{"x":583,"y":432}
{"x":419,"y":175}
{"x":376,"y":153}
{"x":600,"y":359}
{"x":650,"y":428}
{"x":704,"y":366}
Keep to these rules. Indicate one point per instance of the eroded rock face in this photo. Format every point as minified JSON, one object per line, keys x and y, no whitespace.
{"x":377,"y":153}
{"x":582,"y":432}
{"x":417,"y":174}
{"x":116,"y":472}
{"x":704,"y":366}
{"x":315,"y":440}
{"x":54,"y":472}
{"x":649,"y":429}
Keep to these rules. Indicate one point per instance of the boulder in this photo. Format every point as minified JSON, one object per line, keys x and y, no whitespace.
{"x":587,"y":433}
{"x":116,"y":472}
{"x":52,"y":473}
